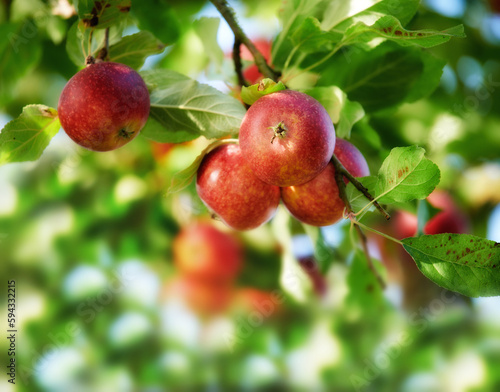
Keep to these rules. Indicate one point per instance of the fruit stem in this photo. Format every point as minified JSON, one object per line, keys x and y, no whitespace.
{"x":237,"y":62}
{"x":279,"y":131}
{"x":228,"y":14}
{"x":340,"y":168}
{"x":340,"y":171}
{"x":104,"y":52}
{"x":89,"y":61}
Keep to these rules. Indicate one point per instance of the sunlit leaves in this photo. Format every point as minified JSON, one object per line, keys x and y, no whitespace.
{"x":181,"y":104}
{"x":207,"y":29}
{"x":267,"y":86}
{"x":25,"y":138}
{"x":132,"y":50}
{"x":459,"y":262}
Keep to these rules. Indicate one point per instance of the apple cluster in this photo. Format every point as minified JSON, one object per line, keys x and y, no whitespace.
{"x":286,"y":143}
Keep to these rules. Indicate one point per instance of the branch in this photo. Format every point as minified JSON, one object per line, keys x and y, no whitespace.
{"x":340,"y":168}
{"x":237,"y":62}
{"x":340,"y":171}
{"x":228,"y":14}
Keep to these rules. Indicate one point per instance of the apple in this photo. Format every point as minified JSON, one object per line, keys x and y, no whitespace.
{"x":449,"y":220}
{"x":317,"y":202}
{"x":160,"y":150}
{"x":250,"y":299}
{"x":203,"y":297}
{"x":287,"y":138}
{"x":104,"y":106}
{"x":203,"y":252}
{"x":229,"y":188}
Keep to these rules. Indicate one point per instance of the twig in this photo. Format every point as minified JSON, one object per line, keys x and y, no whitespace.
{"x":340,"y":168}
{"x":104,"y":52}
{"x":340,"y":171}
{"x":237,"y":62}
{"x":228,"y":14}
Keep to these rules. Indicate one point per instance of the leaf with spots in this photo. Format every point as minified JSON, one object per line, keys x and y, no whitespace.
{"x":183,"y":106}
{"x":463,"y":263}
{"x":390,"y":28}
{"x":25,"y":138}
{"x":406,"y":175}
{"x":103,"y":13}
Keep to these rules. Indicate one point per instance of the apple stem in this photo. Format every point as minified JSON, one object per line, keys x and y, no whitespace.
{"x":340,"y":171}
{"x":237,"y":62}
{"x":228,"y":14}
{"x":279,"y":131}
{"x":89,"y":61}
{"x":104,"y":52}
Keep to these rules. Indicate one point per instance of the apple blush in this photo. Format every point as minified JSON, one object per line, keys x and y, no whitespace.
{"x":287,"y":138}
{"x":231,"y":191}
{"x":104,"y":106}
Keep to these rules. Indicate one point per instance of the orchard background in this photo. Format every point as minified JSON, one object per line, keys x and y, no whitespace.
{"x":103,"y":246}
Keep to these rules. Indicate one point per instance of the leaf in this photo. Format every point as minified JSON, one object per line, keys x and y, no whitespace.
{"x":356,"y":198}
{"x":20,"y":52}
{"x":343,"y":112}
{"x":390,"y":28}
{"x":266,"y":86}
{"x":183,"y":178}
{"x":310,"y":38}
{"x":25,"y":138}
{"x":159,"y":18}
{"x":133,"y":50}
{"x":406,"y":175}
{"x":463,"y":263}
{"x":386,"y":76}
{"x":207,"y":29}
{"x":77,"y":42}
{"x":101,"y":14}
{"x":181,"y":104}
{"x":153,"y":130}
{"x":323,"y":253}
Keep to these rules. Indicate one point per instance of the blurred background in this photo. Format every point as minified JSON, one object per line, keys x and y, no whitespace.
{"x":107,"y":295}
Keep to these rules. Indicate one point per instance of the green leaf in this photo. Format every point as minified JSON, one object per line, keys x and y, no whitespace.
{"x":266,"y":86}
{"x":19,"y":53}
{"x":25,"y":138}
{"x":403,"y":10}
{"x":183,"y":178}
{"x":158,"y":17}
{"x":323,"y":253}
{"x":463,"y":263}
{"x":181,"y":104}
{"x":406,"y":175}
{"x":386,"y":76}
{"x":343,"y":112}
{"x":310,"y":38}
{"x":357,"y":199}
{"x":207,"y":29}
{"x":390,"y":28}
{"x":101,"y":14}
{"x":133,"y":50}
{"x":153,"y":130}
{"x":364,"y":290}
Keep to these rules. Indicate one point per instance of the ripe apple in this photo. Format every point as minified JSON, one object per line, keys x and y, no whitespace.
{"x":287,"y":138}
{"x":104,"y":106}
{"x":251,"y":299}
{"x":229,"y":188}
{"x":204,"y":252}
{"x":449,"y":220}
{"x":318,"y":202}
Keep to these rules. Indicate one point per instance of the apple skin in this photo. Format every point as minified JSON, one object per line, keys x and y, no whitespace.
{"x":104,"y":106}
{"x":203,"y":252}
{"x":318,"y":202}
{"x":449,"y":220}
{"x":229,"y":188}
{"x":301,"y":153}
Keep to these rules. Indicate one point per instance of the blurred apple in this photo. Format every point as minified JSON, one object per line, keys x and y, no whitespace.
{"x":252,"y":73}
{"x":160,"y":150}
{"x":249,"y":300}
{"x":203,"y":252}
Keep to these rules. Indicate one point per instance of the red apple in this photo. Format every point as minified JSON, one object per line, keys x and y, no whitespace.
{"x":204,"y":252}
{"x":229,"y":188}
{"x":287,"y":138}
{"x":104,"y":106}
{"x":449,"y":220}
{"x":252,"y":73}
{"x":318,"y":202}
{"x":250,"y":300}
